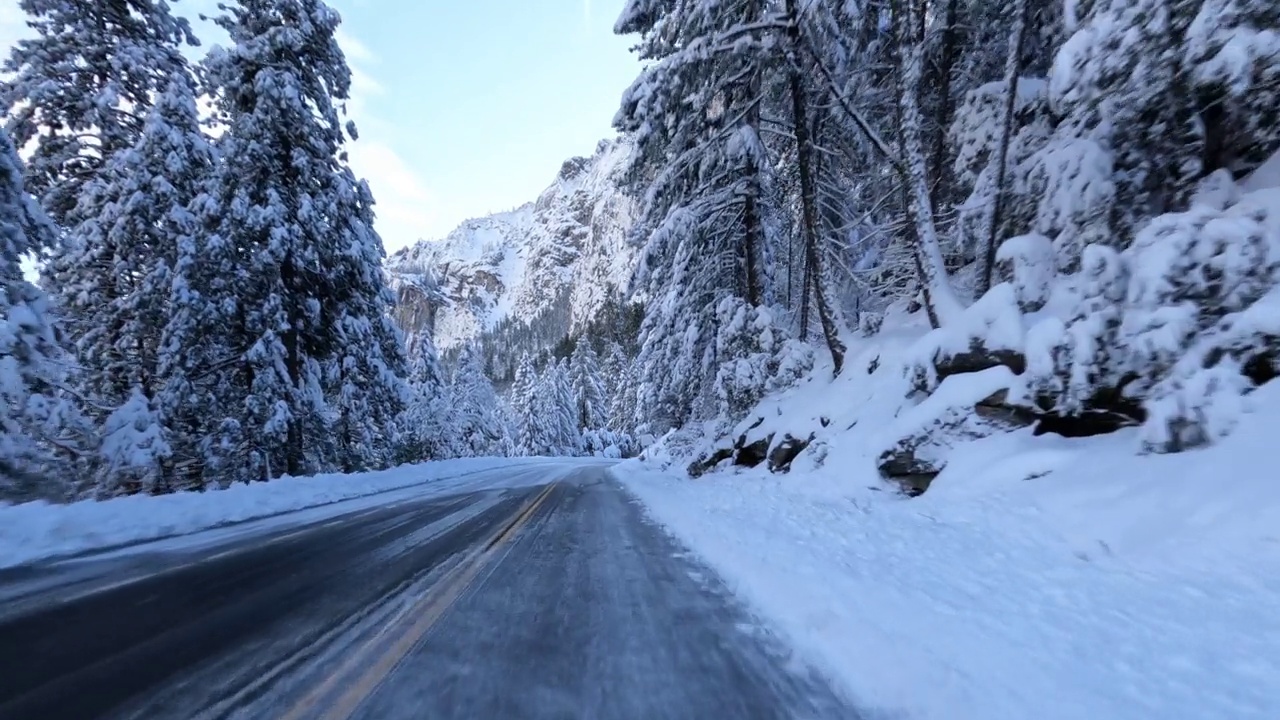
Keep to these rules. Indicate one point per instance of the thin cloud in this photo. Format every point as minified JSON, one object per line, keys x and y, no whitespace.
{"x":407,"y":209}
{"x":356,"y":51}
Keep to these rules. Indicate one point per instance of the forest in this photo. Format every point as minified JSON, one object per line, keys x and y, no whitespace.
{"x":1083,"y":192}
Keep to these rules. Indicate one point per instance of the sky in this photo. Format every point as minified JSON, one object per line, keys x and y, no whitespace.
{"x":465,"y":107}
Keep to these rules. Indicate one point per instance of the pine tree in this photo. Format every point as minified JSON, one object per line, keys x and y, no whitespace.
{"x":555,"y":395}
{"x":135,"y":449}
{"x":939,"y":296}
{"x":481,"y":431}
{"x":198,"y":393}
{"x":993,"y":218}
{"x":81,"y":88}
{"x":702,"y":176}
{"x":426,"y":427}
{"x":622,"y":404}
{"x":1153,"y":97}
{"x":806,"y":171}
{"x":116,"y":275}
{"x":303,"y":301}
{"x":571,"y":432}
{"x":527,"y":411}
{"x":587,"y":387}
{"x":44,"y":442}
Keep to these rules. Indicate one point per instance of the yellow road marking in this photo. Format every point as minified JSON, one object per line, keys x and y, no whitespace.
{"x":427,"y":611}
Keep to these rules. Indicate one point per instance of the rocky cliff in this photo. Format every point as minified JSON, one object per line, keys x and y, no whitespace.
{"x":557,"y":260}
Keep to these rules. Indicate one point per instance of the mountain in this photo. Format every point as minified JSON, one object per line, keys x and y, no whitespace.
{"x":554,"y":263}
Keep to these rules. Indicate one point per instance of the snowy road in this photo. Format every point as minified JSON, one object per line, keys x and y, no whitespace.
{"x":556,"y":600}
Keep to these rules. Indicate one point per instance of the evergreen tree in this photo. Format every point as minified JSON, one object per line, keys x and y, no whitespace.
{"x":135,"y":449}
{"x":702,"y":176}
{"x":426,"y":429}
{"x":481,"y":431}
{"x":622,"y":406}
{"x":44,"y":442}
{"x":81,"y":88}
{"x":300,"y":292}
{"x":116,"y":275}
{"x":198,"y":395}
{"x":527,"y":410}
{"x":587,"y":387}
{"x":565,"y":437}
{"x":1209,"y":86}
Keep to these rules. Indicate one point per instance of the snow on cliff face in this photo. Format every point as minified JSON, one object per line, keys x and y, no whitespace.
{"x":565,"y":252}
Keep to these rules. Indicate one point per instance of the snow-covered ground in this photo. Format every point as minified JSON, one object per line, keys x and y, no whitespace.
{"x":38,"y":531}
{"x":1038,"y":577}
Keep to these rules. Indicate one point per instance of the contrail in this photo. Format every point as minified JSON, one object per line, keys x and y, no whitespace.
{"x":586,"y":13}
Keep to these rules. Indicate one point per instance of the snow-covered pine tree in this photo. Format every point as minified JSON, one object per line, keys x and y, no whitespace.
{"x":813,"y":229}
{"x":622,"y":405}
{"x":757,"y":358}
{"x":566,"y":404}
{"x":620,"y":390}
{"x":978,"y":134}
{"x":587,"y":387}
{"x":426,"y":425}
{"x":701,"y":168}
{"x":135,"y":449}
{"x":115,"y":277}
{"x":79,"y":90}
{"x":305,"y":306}
{"x":45,"y":444}
{"x":370,"y":391}
{"x":527,"y":410}
{"x":198,"y":393}
{"x":556,"y":405}
{"x":940,"y":299}
{"x":1151,"y":97}
{"x":613,"y":363}
{"x":506,"y":446}
{"x":480,"y":429}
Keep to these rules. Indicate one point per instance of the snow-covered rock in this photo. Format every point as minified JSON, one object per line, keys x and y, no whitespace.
{"x":565,"y":253}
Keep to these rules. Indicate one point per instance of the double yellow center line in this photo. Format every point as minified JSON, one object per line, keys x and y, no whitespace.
{"x":368,"y":666}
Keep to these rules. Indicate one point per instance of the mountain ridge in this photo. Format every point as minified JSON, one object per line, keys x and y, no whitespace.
{"x":563,"y":255}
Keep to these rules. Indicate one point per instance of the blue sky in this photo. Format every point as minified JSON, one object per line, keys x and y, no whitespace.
{"x":465,"y":107}
{"x":472,"y":105}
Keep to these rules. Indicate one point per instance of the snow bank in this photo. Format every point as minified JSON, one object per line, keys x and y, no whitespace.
{"x":1039,"y":577}
{"x":38,"y":530}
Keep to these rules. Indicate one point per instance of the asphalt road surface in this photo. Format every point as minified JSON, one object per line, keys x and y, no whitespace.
{"x":553,"y":601}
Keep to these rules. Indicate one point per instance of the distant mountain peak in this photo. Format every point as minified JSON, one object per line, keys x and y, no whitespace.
{"x":565,"y":253}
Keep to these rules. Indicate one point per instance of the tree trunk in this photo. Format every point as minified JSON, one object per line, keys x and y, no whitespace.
{"x":753,"y":224}
{"x":950,"y":51}
{"x":808,"y":192}
{"x":754,"y":233}
{"x":1012,"y":67}
{"x":805,"y":305}
{"x":939,"y":296}
{"x":293,"y":365}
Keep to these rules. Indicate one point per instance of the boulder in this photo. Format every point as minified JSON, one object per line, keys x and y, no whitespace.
{"x":707,"y":462}
{"x":977,"y":359}
{"x":783,"y":453}
{"x":916,"y":458}
{"x":1107,"y":411}
{"x":1262,"y":369}
{"x":997,"y":409}
{"x":753,"y":453}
